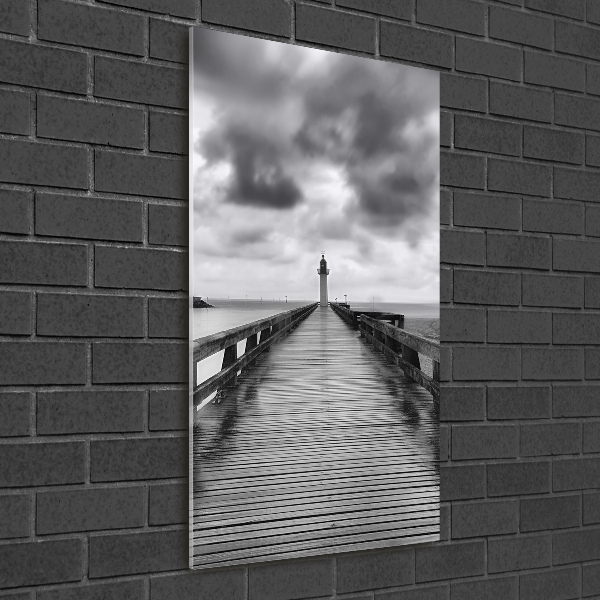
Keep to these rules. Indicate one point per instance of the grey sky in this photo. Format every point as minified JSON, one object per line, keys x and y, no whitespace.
{"x":297,"y":150}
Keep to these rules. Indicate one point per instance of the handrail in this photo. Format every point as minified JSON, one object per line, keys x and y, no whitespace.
{"x":351,"y":316}
{"x":271,"y":329}
{"x":403,"y":348}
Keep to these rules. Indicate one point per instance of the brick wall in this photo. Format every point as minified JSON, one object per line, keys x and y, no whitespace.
{"x":93,"y":310}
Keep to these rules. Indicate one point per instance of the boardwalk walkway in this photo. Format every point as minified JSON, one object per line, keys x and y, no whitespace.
{"x":322,"y":447}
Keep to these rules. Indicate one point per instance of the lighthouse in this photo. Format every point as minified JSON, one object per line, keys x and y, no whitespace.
{"x":323,"y":271}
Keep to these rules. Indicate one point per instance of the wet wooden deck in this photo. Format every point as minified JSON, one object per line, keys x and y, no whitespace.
{"x":322,"y":447}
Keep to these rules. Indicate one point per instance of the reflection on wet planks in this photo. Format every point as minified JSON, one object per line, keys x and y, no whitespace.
{"x":322,"y":447}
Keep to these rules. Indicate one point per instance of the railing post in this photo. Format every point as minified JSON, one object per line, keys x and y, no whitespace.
{"x":228,"y":359}
{"x":251,"y":342}
{"x":265,"y":334}
{"x":411,"y":356}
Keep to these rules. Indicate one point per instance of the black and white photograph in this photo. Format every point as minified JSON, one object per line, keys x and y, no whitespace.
{"x":314,"y":295}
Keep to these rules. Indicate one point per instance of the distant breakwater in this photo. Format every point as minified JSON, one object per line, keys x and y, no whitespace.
{"x":199,"y":303}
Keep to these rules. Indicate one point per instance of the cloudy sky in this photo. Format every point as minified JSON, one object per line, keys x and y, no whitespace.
{"x":297,"y":150}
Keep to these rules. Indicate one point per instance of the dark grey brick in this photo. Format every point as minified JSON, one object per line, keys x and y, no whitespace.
{"x":592,"y":150}
{"x":14,"y":516}
{"x":462,"y":170}
{"x":462,"y":403}
{"x":518,"y":402}
{"x":552,"y":290}
{"x":575,"y":474}
{"x":462,"y":324}
{"x":446,"y":129}
{"x":89,"y":412}
{"x":577,"y":111}
{"x":446,"y":285}
{"x":549,"y":70}
{"x":88,"y":218}
{"x":575,"y":255}
{"x":41,"y":66}
{"x":41,"y":562}
{"x":477,"y":519}
{"x":487,"y":287}
{"x":140,"y":268}
{"x":89,"y":510}
{"x":566,"y":8}
{"x":575,"y":546}
{"x":182,"y":8}
{"x":168,"y":317}
{"x":516,"y":250}
{"x":592,"y":292}
{"x":593,"y":12}
{"x":14,"y":111}
{"x":485,"y":363}
{"x":487,"y":135}
{"x":456,"y":560}
{"x":26,"y":464}
{"x":461,"y":15}
{"x":438,"y":592}
{"x":576,"y":328}
{"x":592,"y":220}
{"x":457,"y":91}
{"x":90,"y":315}
{"x":486,"y":58}
{"x":143,"y":552}
{"x":224,"y":583}
{"x":511,"y":479}
{"x":485,"y":210}
{"x":519,"y":177}
{"x":520,"y":102}
{"x":575,"y":184}
{"x":15,"y":313}
{"x":81,"y":25}
{"x":519,"y":327}
{"x":552,"y":363}
{"x":14,"y":17}
{"x":16,"y":407}
{"x":591,"y":579}
{"x":168,"y":132}
{"x":141,"y":175}
{"x":399,"y":9}
{"x":576,"y":401}
{"x":578,"y":40}
{"x":135,"y":459}
{"x":462,"y":247}
{"x":28,"y":162}
{"x":506,"y":588}
{"x":266,"y":16}
{"x":15,"y":211}
{"x":169,"y":41}
{"x":592,"y":363}
{"x":168,"y":225}
{"x":445,"y":207}
{"x":282,"y":581}
{"x":548,"y":439}
{"x":140,"y":82}
{"x":553,"y":144}
{"x":42,"y":363}
{"x":444,"y":438}
{"x":168,"y":504}
{"x":520,"y":27}
{"x":123,"y":590}
{"x":557,"y":512}
{"x":552,"y":217}
{"x":591,"y":507}
{"x":518,"y":553}
{"x":122,"y":362}
{"x":81,"y":121}
{"x":591,"y":437}
{"x":358,"y":572}
{"x":418,"y":45}
{"x":462,"y":482}
{"x":484,"y":441}
{"x":168,"y":410}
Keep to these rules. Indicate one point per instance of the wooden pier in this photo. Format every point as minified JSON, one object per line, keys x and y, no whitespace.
{"x":321,"y":447}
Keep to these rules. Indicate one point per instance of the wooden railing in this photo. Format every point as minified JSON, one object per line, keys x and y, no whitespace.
{"x":270,"y":329}
{"x":352,"y":316}
{"x":403,"y":348}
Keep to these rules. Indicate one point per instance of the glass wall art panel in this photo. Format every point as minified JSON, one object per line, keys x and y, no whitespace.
{"x":314,"y":301}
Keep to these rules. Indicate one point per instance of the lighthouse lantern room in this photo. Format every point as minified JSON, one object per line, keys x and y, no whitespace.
{"x":323,"y":271}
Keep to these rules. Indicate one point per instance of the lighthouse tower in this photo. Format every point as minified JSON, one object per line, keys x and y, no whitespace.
{"x":323,"y":271}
